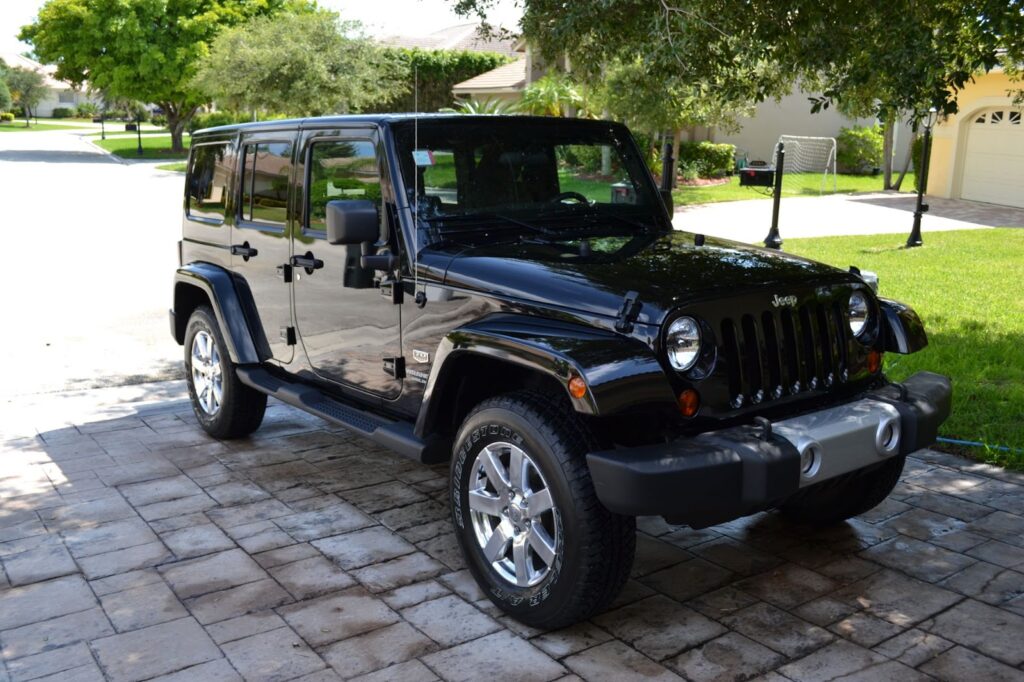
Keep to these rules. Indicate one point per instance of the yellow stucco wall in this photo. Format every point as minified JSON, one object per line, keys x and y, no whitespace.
{"x":949,"y":137}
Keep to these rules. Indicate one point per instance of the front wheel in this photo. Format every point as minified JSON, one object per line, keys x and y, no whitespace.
{"x":224,"y":406}
{"x":535,"y":536}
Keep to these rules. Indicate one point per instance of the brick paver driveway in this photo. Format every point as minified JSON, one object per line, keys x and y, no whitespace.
{"x":137,"y":547}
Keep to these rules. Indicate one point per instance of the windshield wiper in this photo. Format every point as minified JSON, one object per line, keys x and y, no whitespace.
{"x":484,"y":217}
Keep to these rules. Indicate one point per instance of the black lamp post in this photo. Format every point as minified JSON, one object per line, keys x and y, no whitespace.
{"x":774,"y":239}
{"x":138,"y":131}
{"x":922,"y":180}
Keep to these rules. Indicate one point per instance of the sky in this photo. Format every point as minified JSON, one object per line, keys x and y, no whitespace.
{"x":380,"y":17}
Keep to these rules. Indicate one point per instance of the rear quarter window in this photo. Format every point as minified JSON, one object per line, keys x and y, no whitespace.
{"x":209,"y":177}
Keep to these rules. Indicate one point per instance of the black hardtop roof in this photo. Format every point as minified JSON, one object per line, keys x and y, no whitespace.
{"x":376,"y":119}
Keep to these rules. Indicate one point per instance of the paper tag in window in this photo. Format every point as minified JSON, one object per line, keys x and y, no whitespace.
{"x":423,"y":157}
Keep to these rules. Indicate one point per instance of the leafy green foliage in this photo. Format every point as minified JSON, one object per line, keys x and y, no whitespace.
{"x":322,"y":67}
{"x":27,"y":88}
{"x":139,"y":49}
{"x":435,"y":72}
{"x":554,"y":94}
{"x":5,"y":97}
{"x":6,"y":117}
{"x":62,"y":112}
{"x":482,"y":106}
{"x":957,"y":283}
{"x":708,"y":160}
{"x":859,"y":149}
{"x":86,"y":110}
{"x":217,"y":118}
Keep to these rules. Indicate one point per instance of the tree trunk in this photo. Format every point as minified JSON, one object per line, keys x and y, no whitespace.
{"x":906,"y":165}
{"x":677,"y":138}
{"x":28,"y":114}
{"x":888,"y":132}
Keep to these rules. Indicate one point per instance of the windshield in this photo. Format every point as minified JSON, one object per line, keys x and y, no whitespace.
{"x":489,"y":179}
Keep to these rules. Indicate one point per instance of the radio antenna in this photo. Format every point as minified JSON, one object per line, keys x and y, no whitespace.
{"x":416,"y":179}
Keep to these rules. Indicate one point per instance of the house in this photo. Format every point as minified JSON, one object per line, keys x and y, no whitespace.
{"x":58,"y":93}
{"x":978,"y":153}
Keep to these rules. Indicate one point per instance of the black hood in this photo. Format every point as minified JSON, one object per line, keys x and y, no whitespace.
{"x":666,"y":270}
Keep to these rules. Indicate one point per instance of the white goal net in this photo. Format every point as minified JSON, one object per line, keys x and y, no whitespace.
{"x":810,"y":163}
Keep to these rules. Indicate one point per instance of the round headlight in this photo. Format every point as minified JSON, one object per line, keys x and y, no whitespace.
{"x":858,"y":312}
{"x":683,"y":343}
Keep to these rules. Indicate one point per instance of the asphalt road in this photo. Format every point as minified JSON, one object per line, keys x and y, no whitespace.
{"x":89,"y":250}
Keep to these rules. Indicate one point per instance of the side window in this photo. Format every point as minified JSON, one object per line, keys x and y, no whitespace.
{"x":208,"y":177}
{"x":340,"y":169}
{"x":266,"y":168}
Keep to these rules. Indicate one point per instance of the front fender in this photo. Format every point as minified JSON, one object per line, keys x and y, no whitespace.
{"x":902,"y":330}
{"x":232,"y":303}
{"x":619,"y":371}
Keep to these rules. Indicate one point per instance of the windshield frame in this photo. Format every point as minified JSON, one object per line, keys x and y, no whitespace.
{"x":420,"y":231}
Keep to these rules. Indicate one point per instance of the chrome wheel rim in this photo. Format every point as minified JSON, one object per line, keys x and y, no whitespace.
{"x":207,"y":378}
{"x":514,"y":517}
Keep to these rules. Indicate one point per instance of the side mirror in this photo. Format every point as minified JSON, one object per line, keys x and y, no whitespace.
{"x":352,"y":221}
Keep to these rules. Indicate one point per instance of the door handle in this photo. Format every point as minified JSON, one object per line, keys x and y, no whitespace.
{"x":307,"y":262}
{"x":244,"y":250}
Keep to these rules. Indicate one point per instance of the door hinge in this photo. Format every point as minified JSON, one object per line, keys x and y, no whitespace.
{"x":391,"y":289}
{"x":285,"y":271}
{"x":395,"y":367}
{"x":628,"y":313}
{"x":288,"y":334}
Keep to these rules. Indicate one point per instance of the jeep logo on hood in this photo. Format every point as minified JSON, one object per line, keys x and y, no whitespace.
{"x":779,"y":301}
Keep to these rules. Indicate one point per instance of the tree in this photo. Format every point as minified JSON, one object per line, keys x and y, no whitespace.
{"x":324,"y":66}
{"x":905,"y":55}
{"x":478,"y":107}
{"x":555,"y":94}
{"x":5,"y":96}
{"x":27,"y":88}
{"x":140,"y":49}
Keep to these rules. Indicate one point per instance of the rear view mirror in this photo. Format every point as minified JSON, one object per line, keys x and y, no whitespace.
{"x":353,"y":221}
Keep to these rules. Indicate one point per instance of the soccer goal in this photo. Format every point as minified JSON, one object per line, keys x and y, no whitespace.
{"x":810,"y":163}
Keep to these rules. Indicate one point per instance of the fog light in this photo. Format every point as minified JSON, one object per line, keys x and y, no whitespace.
{"x":810,"y":460}
{"x":689,"y":402}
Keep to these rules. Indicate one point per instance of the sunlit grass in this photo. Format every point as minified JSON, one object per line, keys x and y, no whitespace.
{"x":965,"y":285}
{"x":153,"y":147}
{"x":793,"y":184}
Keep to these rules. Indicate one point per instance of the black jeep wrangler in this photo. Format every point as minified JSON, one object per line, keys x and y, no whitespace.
{"x":509,"y":293}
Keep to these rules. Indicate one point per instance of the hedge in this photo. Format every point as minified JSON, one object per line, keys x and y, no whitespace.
{"x":62,"y":112}
{"x":7,"y":117}
{"x":859,"y":149}
{"x":708,"y":159}
{"x":437,"y":71}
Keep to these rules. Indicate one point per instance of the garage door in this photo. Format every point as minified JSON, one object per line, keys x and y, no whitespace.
{"x":994,"y":162}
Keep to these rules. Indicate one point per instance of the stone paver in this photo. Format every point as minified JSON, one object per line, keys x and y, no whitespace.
{"x":136,"y":548}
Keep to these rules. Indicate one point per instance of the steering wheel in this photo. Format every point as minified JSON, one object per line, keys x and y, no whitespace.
{"x":562,"y":196}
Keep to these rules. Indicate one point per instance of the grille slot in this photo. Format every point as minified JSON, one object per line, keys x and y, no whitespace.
{"x":784,"y":352}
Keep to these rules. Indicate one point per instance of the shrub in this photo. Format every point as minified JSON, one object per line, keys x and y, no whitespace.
{"x":688,"y":171}
{"x":859,"y":149}
{"x":114,"y":114}
{"x":216,"y":118}
{"x":439,"y":71}
{"x":86,"y":110}
{"x":710,"y":160}
{"x":7,"y":117}
{"x":159,"y":120}
{"x":63,"y":112}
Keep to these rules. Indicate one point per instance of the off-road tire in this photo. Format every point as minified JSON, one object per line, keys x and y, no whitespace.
{"x":846,"y":496}
{"x":241,"y":407}
{"x":596,"y":548}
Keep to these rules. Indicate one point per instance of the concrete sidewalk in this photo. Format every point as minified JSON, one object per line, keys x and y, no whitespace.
{"x":135,"y":547}
{"x":841,"y":214}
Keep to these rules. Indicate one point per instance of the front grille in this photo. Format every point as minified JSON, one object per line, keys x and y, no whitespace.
{"x":785,"y":351}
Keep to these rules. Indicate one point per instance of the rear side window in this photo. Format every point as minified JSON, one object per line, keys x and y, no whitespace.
{"x":341,"y":169}
{"x":208,"y":178}
{"x":266,"y":169}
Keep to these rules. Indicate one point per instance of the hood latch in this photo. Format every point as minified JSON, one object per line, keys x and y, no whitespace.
{"x":628,"y":313}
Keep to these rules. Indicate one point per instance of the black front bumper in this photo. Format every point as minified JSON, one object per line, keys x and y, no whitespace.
{"x":722,"y":475}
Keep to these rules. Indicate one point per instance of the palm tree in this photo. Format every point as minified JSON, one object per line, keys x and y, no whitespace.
{"x":486,"y":106}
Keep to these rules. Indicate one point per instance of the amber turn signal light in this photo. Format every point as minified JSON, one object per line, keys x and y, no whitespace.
{"x":577,"y":386}
{"x":874,"y":361}
{"x":689,"y":402}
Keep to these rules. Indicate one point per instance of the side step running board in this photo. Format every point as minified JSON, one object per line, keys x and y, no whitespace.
{"x":396,"y":436}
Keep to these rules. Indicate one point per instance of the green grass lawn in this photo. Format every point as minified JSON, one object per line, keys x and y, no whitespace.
{"x":179,"y":167}
{"x":965,"y":286}
{"x":153,"y":147}
{"x":793,"y":184}
{"x":17,"y":126}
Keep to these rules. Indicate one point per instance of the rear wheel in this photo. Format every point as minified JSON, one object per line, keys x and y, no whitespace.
{"x":535,"y":536}
{"x":845,"y":496}
{"x":224,"y":406}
